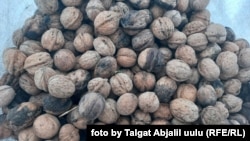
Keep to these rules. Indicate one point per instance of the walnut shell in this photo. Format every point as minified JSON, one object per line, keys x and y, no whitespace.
{"x":126,"y":104}
{"x":144,"y":81}
{"x":243,"y":75}
{"x":47,"y":6}
{"x":54,"y":21}
{"x":80,"y":78}
{"x":60,"y":86}
{"x":197,"y":5}
{"x":104,"y":46}
{"x":29,"y":47}
{"x":71,"y":18}
{"x":187,"y":54}
{"x":140,"y":4}
{"x":211,"y":115}
{"x":109,"y":114}
{"x":120,"y":38}
{"x":182,"y":5}
{"x":198,"y":41}
{"x":18,"y":37}
{"x":36,"y":61}
{"x":69,"y":133}
{"x":105,"y":67}
{"x":230,"y":46}
{"x":148,"y":102}
{"x":41,"y":77}
{"x":206,"y":95}
{"x":232,"y":86}
{"x":187,"y":91}
{"x":140,"y":118}
{"x":93,"y":8}
{"x":167,"y":4}
{"x":123,"y":120}
{"x":26,"y":82}
{"x":194,"y":27}
{"x":27,"y":134}
{"x":83,"y":42}
{"x":211,"y":51}
{"x":85,"y":28}
{"x":216,"y":33}
{"x":121,"y":83}
{"x":99,"y":85}
{"x":7,"y":94}
{"x":195,"y":76}
{"x":242,"y":43}
{"x":46,"y":126}
{"x":175,"y":17}
{"x":208,"y":69}
{"x":126,"y":57}
{"x":77,"y":120}
{"x":64,"y":60}
{"x":243,"y":58}
{"x":162,"y":28}
{"x":120,"y":7}
{"x":142,"y":40}
{"x":89,"y":59}
{"x":163,"y":112}
{"x":233,"y":103}
{"x":72,"y":2}
{"x":177,"y":39}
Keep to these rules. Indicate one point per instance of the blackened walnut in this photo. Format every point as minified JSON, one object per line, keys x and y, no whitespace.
{"x":165,"y":88}
{"x":230,"y":34}
{"x":80,"y":78}
{"x":126,"y":57}
{"x":26,"y":82}
{"x":208,"y":69}
{"x":99,"y":85}
{"x":7,"y":94}
{"x":71,"y":18}
{"x":29,"y":47}
{"x":140,"y":4}
{"x":144,"y":39}
{"x":167,"y":4}
{"x":18,"y":37}
{"x":120,"y":38}
{"x":186,"y":54}
{"x":89,"y":59}
{"x":64,"y":60}
{"x":91,"y":105}
{"x":41,"y":77}
{"x":126,"y":104}
{"x":206,"y":95}
{"x":120,"y":7}
{"x":162,"y":28}
{"x":105,"y":67}
{"x":121,"y":83}
{"x":77,"y":120}
{"x":104,"y":46}
{"x":144,"y":81}
{"x":83,"y":42}
{"x":151,"y":60}
{"x":47,"y":6}
{"x":211,"y":51}
{"x":109,"y":114}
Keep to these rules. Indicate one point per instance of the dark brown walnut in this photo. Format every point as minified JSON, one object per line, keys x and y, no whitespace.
{"x":26,"y":82}
{"x":99,"y":85}
{"x":80,"y":78}
{"x":187,"y":54}
{"x":93,"y":8}
{"x":140,"y":118}
{"x":187,"y":91}
{"x":36,"y":61}
{"x":77,"y":120}
{"x":7,"y":94}
{"x":140,"y":4}
{"x":211,"y":51}
{"x":120,"y":39}
{"x":162,"y":28}
{"x":175,"y":17}
{"x":83,"y":42}
{"x":243,"y":58}
{"x":230,"y":46}
{"x":156,"y":11}
{"x":178,"y":70}
{"x":64,"y":60}
{"x":233,"y":86}
{"x":89,"y":59}
{"x":197,"y":5}
{"x":120,"y":84}
{"x":72,"y":2}
{"x":104,"y":46}
{"x":47,"y":6}
{"x":126,"y":57}
{"x":216,"y":33}
{"x":107,"y":22}
{"x":243,"y":75}
{"x":194,"y":27}
{"x":120,"y":7}
{"x":29,"y":47}
{"x":91,"y":105}
{"x":18,"y":37}
{"x":41,"y":77}
{"x":177,"y":39}
{"x":105,"y":67}
{"x":144,"y":39}
{"x":71,"y":18}
{"x":54,"y":21}
{"x":230,"y":34}
{"x":68,"y":133}
{"x":126,"y":104}
{"x":151,"y":60}
{"x":198,"y":41}
{"x":56,"y":106}
{"x":165,"y":88}
{"x":148,"y":102}
{"x":85,"y":28}
{"x":13,"y":61}
{"x":144,"y":81}
{"x":184,"y":110}
{"x":182,"y":5}
{"x":109,"y":114}
{"x":38,"y":99}
{"x":136,"y":20}
{"x":167,"y":4}
{"x":232,"y":102}
{"x":208,"y":69}
{"x":242,"y":43}
{"x":34,"y":26}
{"x":46,"y":126}
{"x":163,"y":112}
{"x":206,"y":95}
{"x":52,"y":39}
{"x":27,"y":134}
{"x":22,"y":116}
{"x":61,"y":86}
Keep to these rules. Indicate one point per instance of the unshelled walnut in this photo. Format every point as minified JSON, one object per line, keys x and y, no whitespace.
{"x":64,"y":60}
{"x":68,"y":133}
{"x":105,"y":67}
{"x":175,"y":17}
{"x":243,"y":58}
{"x":83,"y":42}
{"x":120,"y":38}
{"x":7,"y":94}
{"x":211,"y":115}
{"x":144,"y":39}
{"x":201,"y":15}
{"x":126,"y":104}
{"x":85,"y":28}
{"x":41,"y":77}
{"x":232,"y":86}
{"x":46,"y":126}
{"x":140,"y":118}
{"x":230,"y":46}
{"x":109,"y":114}
{"x":148,"y":102}
{"x":126,"y":57}
{"x":47,"y":6}
{"x":27,"y":134}
{"x":216,"y":33}
{"x":104,"y":46}
{"x":206,"y":95}
{"x":93,"y":8}
{"x":167,"y":4}
{"x":71,"y":18}
{"x":72,"y":2}
{"x":80,"y":78}
{"x":121,"y":83}
{"x":26,"y":82}
{"x":163,"y":112}
{"x":18,"y":37}
{"x":144,"y":81}
{"x":208,"y":69}
{"x":177,"y":39}
{"x":194,"y":27}
{"x":198,"y":4}
{"x":211,"y":51}
{"x":243,"y":75}
{"x":140,"y":4}
{"x":187,"y":91}
{"x":99,"y":85}
{"x":198,"y":41}
{"x":120,"y":7}
{"x":31,"y":46}
{"x":232,"y":102}
{"x":186,"y":54}
{"x":123,"y":120}
{"x":77,"y":120}
{"x":162,"y":28}
{"x":89,"y":59}
{"x":242,"y":43}
{"x":54,"y":21}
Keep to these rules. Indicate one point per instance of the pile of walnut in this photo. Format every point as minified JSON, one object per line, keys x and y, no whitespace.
{"x":119,"y":62}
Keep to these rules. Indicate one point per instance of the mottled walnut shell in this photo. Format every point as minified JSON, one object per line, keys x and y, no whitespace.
{"x":244,"y":57}
{"x":162,"y":28}
{"x":99,"y":85}
{"x":175,"y":17}
{"x":47,"y":6}
{"x":242,"y":43}
{"x":41,"y":77}
{"x":167,"y":53}
{"x":109,"y":114}
{"x":120,"y":7}
{"x":26,"y":82}
{"x":83,"y":42}
{"x":178,"y":38}
{"x":167,"y":4}
{"x":232,"y":86}
{"x":13,"y":61}
{"x":85,"y":28}
{"x":140,"y":118}
{"x":68,"y":133}
{"x":187,"y":91}
{"x":206,"y":95}
{"x":198,"y":41}
{"x":38,"y":99}
{"x":195,"y":76}
{"x":80,"y":78}
{"x":140,"y":4}
{"x":216,"y":33}
{"x":107,"y":22}
{"x":121,"y":83}
{"x":211,"y":51}
{"x":77,"y":120}
{"x":64,"y":60}
{"x":194,"y":27}
{"x":142,"y":40}
{"x":163,"y":112}
{"x":93,"y":8}
{"x":186,"y":54}
{"x":29,"y":47}
{"x":89,"y":59}
{"x":60,"y":86}
{"x":52,"y":39}
{"x":7,"y":94}
{"x":197,"y":5}
{"x":71,"y":18}
{"x":144,"y":81}
{"x":72,"y":2}
{"x":120,"y":39}
{"x":184,"y":110}
{"x":18,"y":37}
{"x":46,"y":126}
{"x":208,"y":69}
{"x":105,"y":67}
{"x":148,"y":102}
{"x":36,"y":61}
{"x":28,"y":134}
{"x":104,"y":46}
{"x":230,"y":34}
{"x":126,"y":104}
{"x":233,"y":103}
{"x":91,"y":105}
{"x":165,"y":89}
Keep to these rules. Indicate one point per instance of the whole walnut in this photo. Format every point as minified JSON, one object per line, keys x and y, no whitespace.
{"x":140,"y":4}
{"x":195,"y":76}
{"x":211,"y":115}
{"x":105,"y":67}
{"x":232,"y":86}
{"x":208,"y":69}
{"x":186,"y":54}
{"x":85,"y":28}
{"x":28,"y":134}
{"x":91,"y":105}
{"x":83,"y":42}
{"x":165,"y":88}
{"x":99,"y":85}
{"x":46,"y":126}
{"x":167,"y":4}
{"x":54,"y":21}
{"x":93,"y":8}
{"x":243,"y":75}
{"x":109,"y":114}
{"x":47,"y":6}
{"x":69,"y":133}
{"x":211,"y":51}
{"x":29,"y":47}
{"x":140,"y":118}
{"x":38,"y":99}
{"x":36,"y":61}
{"x":230,"y":46}
{"x":206,"y":95}
{"x":187,"y":91}
{"x":243,"y":58}
{"x":156,"y":11}
{"x":177,"y":39}
{"x":41,"y":77}
{"x":107,"y":22}
{"x":27,"y":83}
{"x":123,"y":120}
{"x":148,"y":102}
{"x":126,"y":57}
{"x":89,"y":59}
{"x":72,"y":2}
{"x":178,"y":70}
{"x":201,"y":15}
{"x":175,"y":17}
{"x":120,"y":38}
{"x":121,"y":83}
{"x":163,"y":112}
{"x":162,"y":28}
{"x":7,"y":94}
{"x":216,"y":33}
{"x":13,"y":61}
{"x":18,"y":37}
{"x":120,"y":7}
{"x":60,"y":86}
{"x":80,"y":78}
{"x":197,"y":5}
{"x":223,"y":109}
{"x":144,"y":81}
{"x":52,"y":39}
{"x":232,"y":102}
{"x":194,"y":27}
{"x":184,"y":110}
{"x":104,"y":46}
{"x":64,"y":60}
{"x":77,"y":120}
{"x":198,"y":41}
{"x":142,"y":40}
{"x":126,"y":104}
{"x":242,"y":43}
{"x":71,"y":18}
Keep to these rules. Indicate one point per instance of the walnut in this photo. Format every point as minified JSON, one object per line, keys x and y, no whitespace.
{"x":216,"y":33}
{"x":64,"y":60}
{"x":187,"y":91}
{"x":144,"y":81}
{"x":69,"y":133}
{"x":140,"y":118}
{"x":177,"y":39}
{"x":208,"y":69}
{"x":206,"y":95}
{"x":89,"y":59}
{"x":41,"y":77}
{"x":121,"y":83}
{"x":194,"y":27}
{"x":148,"y":102}
{"x":71,"y":18}
{"x":105,"y":67}
{"x":232,"y":86}
{"x":29,"y":47}
{"x":162,"y":28}
{"x":126,"y":104}
{"x":47,"y":6}
{"x":233,"y":103}
{"x":243,"y":58}
{"x":186,"y":54}
{"x":93,"y":8}
{"x":27,"y":134}
{"x":26,"y":82}
{"x":109,"y":114}
{"x":197,"y":5}
{"x":7,"y":94}
{"x":175,"y":17}
{"x":99,"y":85}
{"x":104,"y":46}
{"x":126,"y":57}
{"x":198,"y":41}
{"x":72,"y":2}
{"x":83,"y":42}
{"x":163,"y":112}
{"x":142,"y":40}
